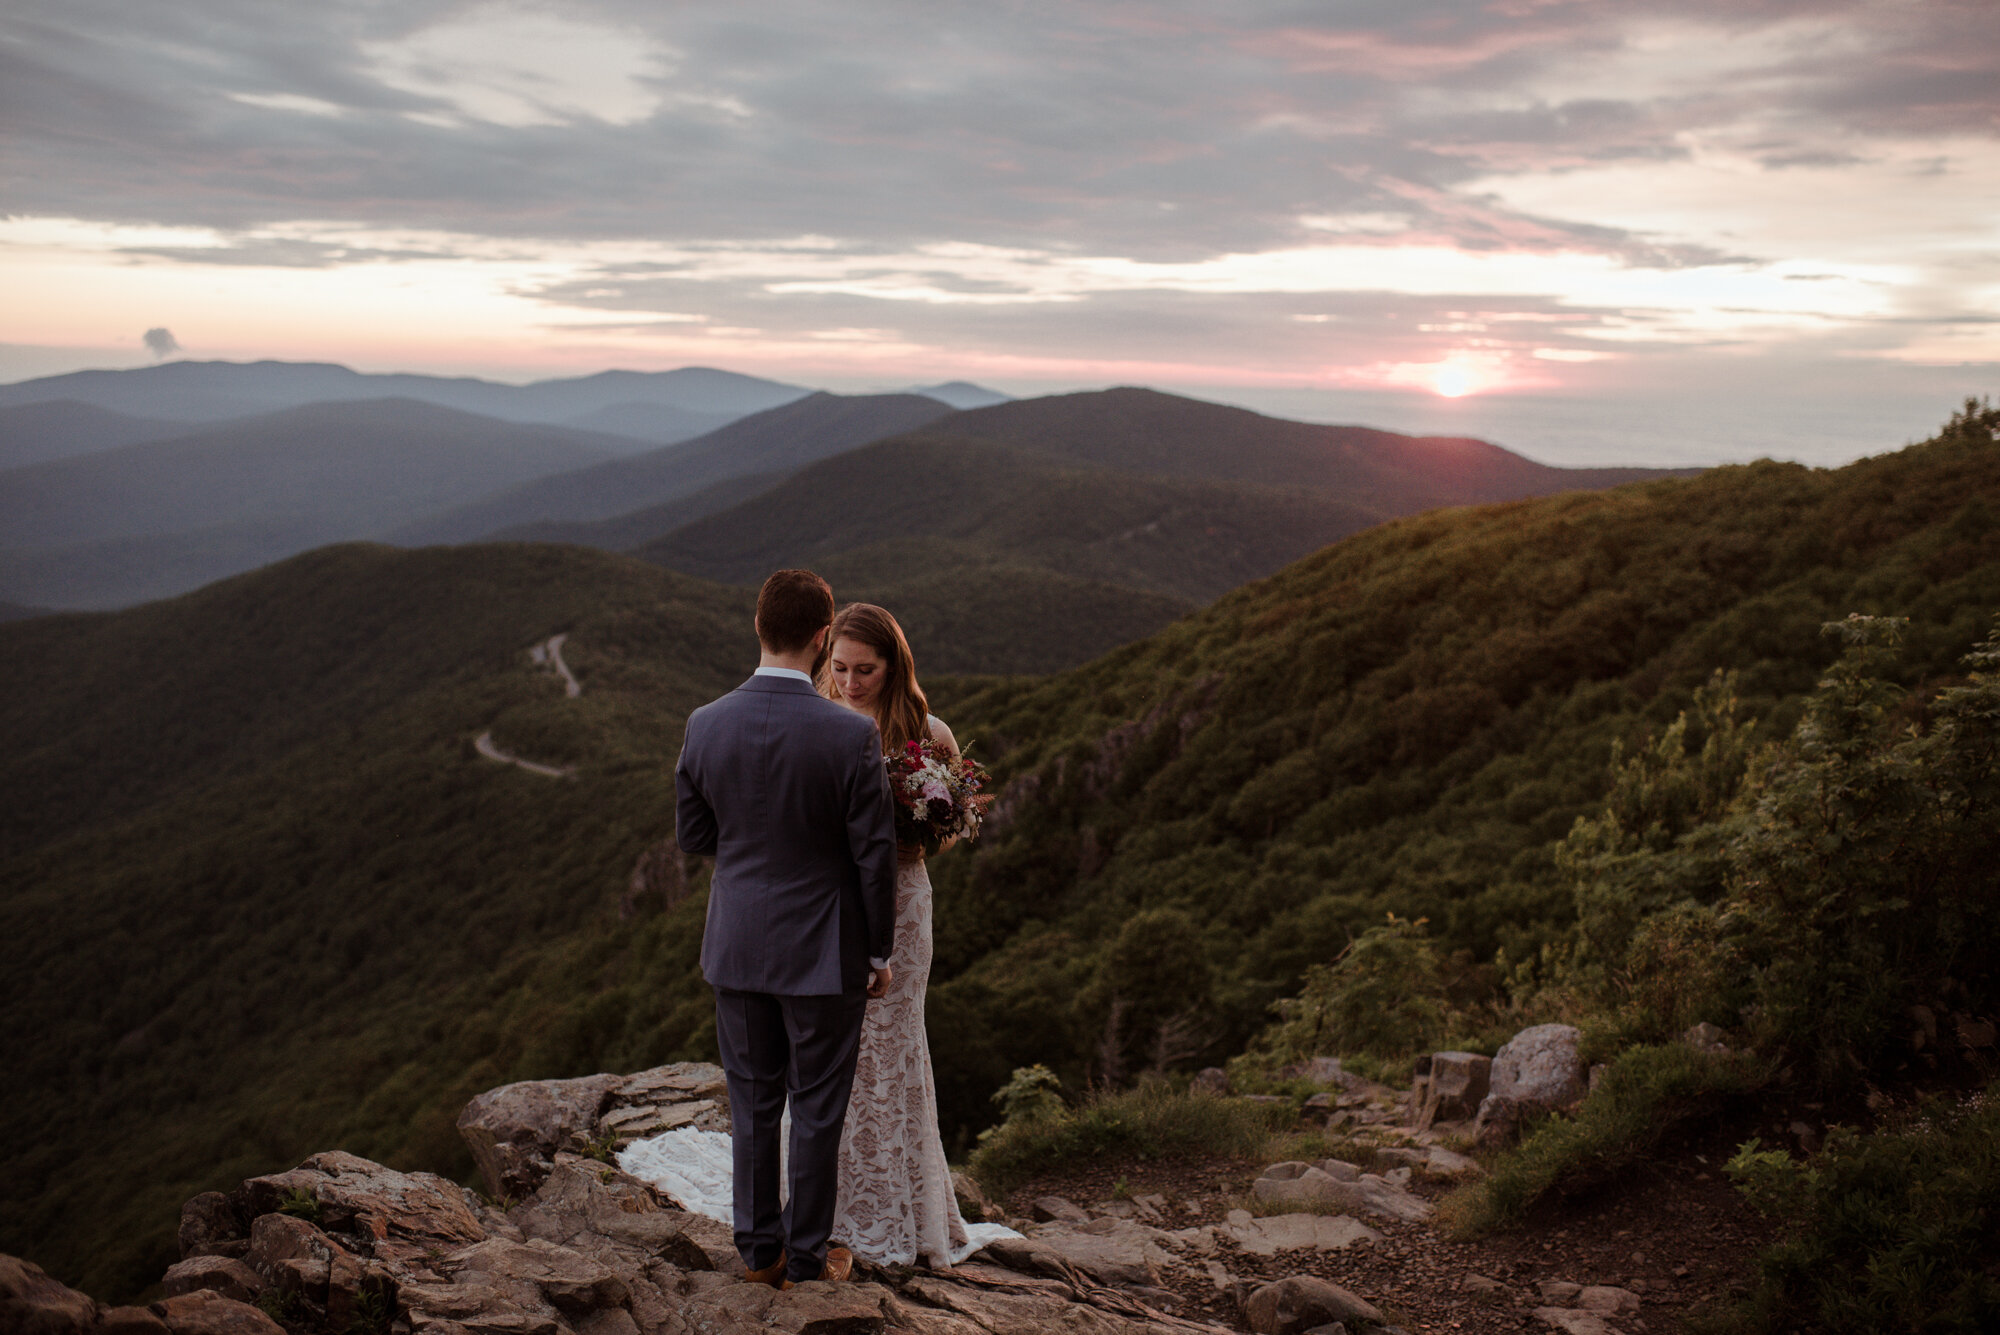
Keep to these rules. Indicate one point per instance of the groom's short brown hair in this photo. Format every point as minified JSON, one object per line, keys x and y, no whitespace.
{"x":792,"y":607}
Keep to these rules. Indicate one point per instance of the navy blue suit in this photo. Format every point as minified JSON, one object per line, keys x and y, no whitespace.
{"x":787,"y":791}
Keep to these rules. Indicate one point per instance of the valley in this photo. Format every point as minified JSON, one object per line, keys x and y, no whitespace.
{"x":270,"y":892}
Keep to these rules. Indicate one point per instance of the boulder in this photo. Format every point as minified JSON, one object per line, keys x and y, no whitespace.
{"x":1296,"y":1305}
{"x":1538,"y":1069}
{"x":293,"y":1254}
{"x":1559,"y":1292}
{"x":205,"y":1312}
{"x":217,"y":1274}
{"x":566,"y":1280}
{"x":1574,"y":1321}
{"x":1706,"y":1037}
{"x":1446,"y":1163}
{"x":210,"y":1226}
{"x":972,"y":1202}
{"x":617,"y":1220}
{"x":1047,"y":1208}
{"x":1210,"y":1080}
{"x":1457,"y":1083}
{"x":129,"y":1321}
{"x":355,"y":1195}
{"x":1295,"y":1183}
{"x":1606,"y":1300}
{"x":31,"y":1303}
{"x":514,"y":1131}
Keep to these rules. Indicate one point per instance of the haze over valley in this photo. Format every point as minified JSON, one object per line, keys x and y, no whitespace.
{"x":142,"y":484}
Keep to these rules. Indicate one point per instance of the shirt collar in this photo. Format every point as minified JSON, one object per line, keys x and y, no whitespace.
{"x":793,"y":673}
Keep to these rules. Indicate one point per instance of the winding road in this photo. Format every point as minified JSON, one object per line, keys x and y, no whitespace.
{"x":547,"y":654}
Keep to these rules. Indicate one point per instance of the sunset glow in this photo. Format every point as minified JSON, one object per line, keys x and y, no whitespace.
{"x":1452,"y":381}
{"x":1471,"y":205}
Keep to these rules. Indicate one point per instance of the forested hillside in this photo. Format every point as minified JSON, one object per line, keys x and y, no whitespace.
{"x":262,"y":897}
{"x":270,"y":900}
{"x":1407,"y":723}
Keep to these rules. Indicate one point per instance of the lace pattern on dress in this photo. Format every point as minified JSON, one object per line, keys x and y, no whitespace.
{"x":896,"y":1205}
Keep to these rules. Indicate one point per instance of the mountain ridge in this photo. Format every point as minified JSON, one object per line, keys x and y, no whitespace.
{"x":778,"y":438}
{"x":216,"y":390}
{"x":248,"y":933}
{"x":34,"y":433}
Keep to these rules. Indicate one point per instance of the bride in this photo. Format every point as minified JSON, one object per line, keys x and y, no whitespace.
{"x":896,"y":1205}
{"x":895,"y":1200}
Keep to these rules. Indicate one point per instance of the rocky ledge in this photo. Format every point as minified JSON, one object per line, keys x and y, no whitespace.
{"x":565,"y":1243}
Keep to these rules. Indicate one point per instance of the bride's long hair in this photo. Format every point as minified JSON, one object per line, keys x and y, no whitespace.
{"x":901,"y":711}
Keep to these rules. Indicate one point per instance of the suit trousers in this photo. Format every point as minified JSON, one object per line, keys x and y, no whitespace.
{"x":776,"y":1048}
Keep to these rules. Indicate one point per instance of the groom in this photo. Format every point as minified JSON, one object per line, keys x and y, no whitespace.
{"x":786,"y":789}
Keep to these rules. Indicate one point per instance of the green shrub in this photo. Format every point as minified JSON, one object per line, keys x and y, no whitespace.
{"x":301,"y":1204}
{"x":1646,"y":1092}
{"x":1153,"y":1121}
{"x":1382,"y":995}
{"x":1893,"y":1232}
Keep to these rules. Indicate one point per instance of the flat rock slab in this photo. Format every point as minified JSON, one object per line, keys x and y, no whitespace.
{"x":1271,"y":1234}
{"x":207,"y":1313}
{"x":1575,"y":1321}
{"x":1295,"y":1184}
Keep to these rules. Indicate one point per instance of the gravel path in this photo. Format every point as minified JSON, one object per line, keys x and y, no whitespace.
{"x":1672,"y":1231}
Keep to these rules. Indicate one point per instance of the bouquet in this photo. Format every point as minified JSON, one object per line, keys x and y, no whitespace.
{"x":937,"y":794}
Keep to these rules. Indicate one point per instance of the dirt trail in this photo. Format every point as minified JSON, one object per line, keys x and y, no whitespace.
{"x":1671,"y":1230}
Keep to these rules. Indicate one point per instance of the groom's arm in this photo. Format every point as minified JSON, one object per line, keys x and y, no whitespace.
{"x":871,"y":839}
{"x":694,"y":818}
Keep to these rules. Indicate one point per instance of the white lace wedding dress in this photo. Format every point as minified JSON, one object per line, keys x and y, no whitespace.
{"x":896,"y":1205}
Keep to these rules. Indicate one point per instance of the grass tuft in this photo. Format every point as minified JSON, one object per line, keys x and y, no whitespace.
{"x":1645,"y":1093}
{"x":1152,"y":1121}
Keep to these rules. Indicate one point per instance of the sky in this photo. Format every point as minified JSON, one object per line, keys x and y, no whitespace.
{"x":1677,"y":231}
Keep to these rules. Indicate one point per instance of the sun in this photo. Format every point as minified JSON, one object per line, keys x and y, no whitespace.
{"x":1452,"y":380}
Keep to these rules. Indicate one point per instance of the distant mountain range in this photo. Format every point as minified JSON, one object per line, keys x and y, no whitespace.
{"x":33,"y":433}
{"x":961,"y":394}
{"x":324,"y":471}
{"x":767,"y":445}
{"x":213,"y":391}
{"x":1093,"y":498}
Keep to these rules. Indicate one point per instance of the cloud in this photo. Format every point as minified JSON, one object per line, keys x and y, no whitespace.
{"x":161,"y":343}
{"x":1171,"y":184}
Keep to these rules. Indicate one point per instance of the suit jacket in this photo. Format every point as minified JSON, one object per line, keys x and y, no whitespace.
{"x":786,"y":789}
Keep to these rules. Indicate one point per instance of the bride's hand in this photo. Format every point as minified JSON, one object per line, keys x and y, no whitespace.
{"x":909,"y":855}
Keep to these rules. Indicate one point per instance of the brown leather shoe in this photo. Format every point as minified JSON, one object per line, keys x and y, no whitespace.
{"x":839,"y":1265}
{"x":774,"y":1275}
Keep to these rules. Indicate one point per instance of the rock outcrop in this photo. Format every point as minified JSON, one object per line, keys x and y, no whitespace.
{"x":578,"y":1247}
{"x":516,"y":1130}
{"x":31,"y":1303}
